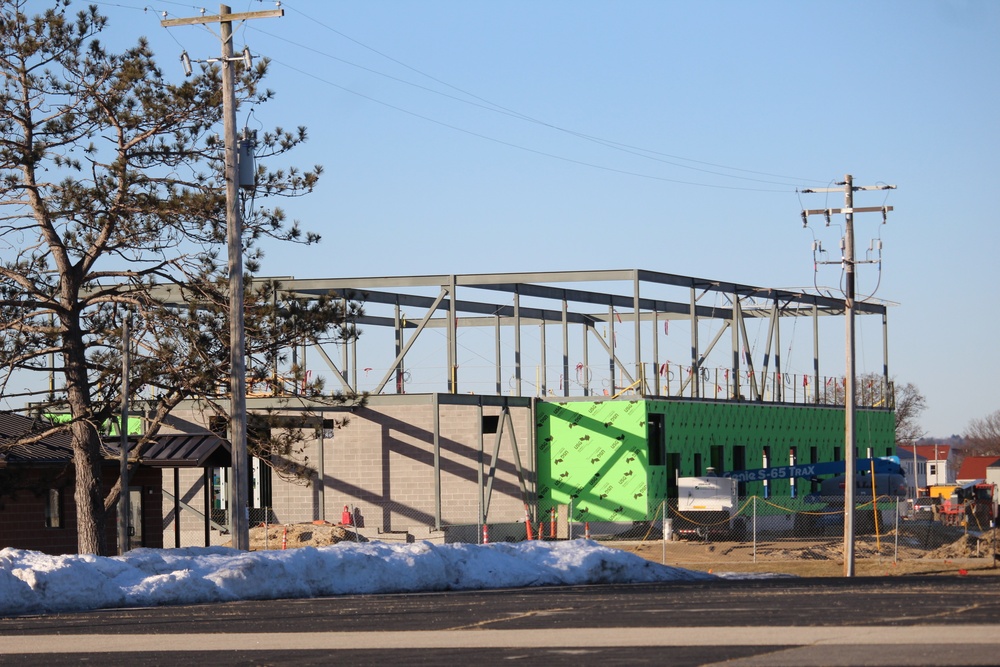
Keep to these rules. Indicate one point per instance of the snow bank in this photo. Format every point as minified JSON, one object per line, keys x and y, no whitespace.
{"x":31,"y":582}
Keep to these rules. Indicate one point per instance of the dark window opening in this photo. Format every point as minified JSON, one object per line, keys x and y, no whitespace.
{"x":491,"y":423}
{"x":740,"y":463}
{"x":717,"y":457}
{"x":655,"y":440}
{"x":673,"y":471}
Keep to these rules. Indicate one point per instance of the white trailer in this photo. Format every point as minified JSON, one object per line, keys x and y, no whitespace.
{"x":706,"y":506}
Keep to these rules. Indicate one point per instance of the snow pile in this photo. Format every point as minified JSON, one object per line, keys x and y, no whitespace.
{"x":31,"y":582}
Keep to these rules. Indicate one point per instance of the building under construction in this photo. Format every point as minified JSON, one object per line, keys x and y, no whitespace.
{"x":589,"y":392}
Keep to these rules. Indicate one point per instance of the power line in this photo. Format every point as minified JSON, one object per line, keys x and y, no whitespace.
{"x":477,"y":101}
{"x":498,"y":108}
{"x":518,"y":146}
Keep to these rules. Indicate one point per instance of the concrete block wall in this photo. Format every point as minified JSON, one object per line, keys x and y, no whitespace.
{"x":381,"y":466}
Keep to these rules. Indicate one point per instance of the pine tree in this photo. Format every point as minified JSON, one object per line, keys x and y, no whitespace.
{"x":112,"y":202}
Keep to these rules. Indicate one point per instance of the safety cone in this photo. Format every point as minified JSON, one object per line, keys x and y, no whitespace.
{"x":586,"y":530}
{"x":552,"y":523}
{"x":284,"y":539}
{"x":486,"y":534}
{"x":527,"y":523}
{"x":345,"y":517}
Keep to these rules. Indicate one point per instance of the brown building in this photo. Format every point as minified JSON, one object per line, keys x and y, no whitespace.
{"x":37,"y":506}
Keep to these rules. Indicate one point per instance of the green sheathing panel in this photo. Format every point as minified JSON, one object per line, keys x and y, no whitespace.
{"x":594,"y":455}
{"x":110,"y":427}
{"x":815,"y":433}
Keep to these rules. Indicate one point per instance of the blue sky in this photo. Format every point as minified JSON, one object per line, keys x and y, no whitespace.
{"x":462,"y":136}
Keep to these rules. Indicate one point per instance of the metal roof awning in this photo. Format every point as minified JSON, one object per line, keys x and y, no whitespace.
{"x":184,"y":450}
{"x":55,"y":448}
{"x":173,"y":450}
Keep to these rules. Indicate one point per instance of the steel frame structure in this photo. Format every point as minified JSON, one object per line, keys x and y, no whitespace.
{"x":451,"y":302}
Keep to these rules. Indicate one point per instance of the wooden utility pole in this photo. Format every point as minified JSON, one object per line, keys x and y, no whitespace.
{"x":850,"y":399}
{"x":123,"y":498}
{"x":239,"y":519}
{"x":850,"y":393}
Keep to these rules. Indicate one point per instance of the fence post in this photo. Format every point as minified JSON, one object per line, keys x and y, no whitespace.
{"x":895,"y":551}
{"x":266,"y":528}
{"x":569,"y":520}
{"x":665,"y":530}
{"x":755,"y":529}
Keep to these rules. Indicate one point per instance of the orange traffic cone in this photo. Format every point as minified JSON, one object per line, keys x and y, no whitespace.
{"x":345,"y":517}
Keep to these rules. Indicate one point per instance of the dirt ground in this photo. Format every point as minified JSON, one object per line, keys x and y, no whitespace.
{"x":918,"y":549}
{"x":319,"y":534}
{"x":914,"y":551}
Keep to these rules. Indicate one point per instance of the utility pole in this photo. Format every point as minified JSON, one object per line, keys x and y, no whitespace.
{"x":239,"y":519}
{"x":123,"y":498}
{"x":850,"y":399}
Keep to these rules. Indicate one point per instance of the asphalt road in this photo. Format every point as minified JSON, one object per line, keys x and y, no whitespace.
{"x":862,"y":621}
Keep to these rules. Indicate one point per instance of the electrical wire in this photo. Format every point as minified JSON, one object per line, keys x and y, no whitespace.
{"x":495,"y":108}
{"x":485,"y":104}
{"x":507,"y":111}
{"x":520,"y":147}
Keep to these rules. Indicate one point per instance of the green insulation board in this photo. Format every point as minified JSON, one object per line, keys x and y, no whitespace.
{"x":593,"y":456}
{"x":614,"y":460}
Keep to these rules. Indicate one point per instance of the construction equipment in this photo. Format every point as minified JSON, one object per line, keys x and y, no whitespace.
{"x":972,"y":504}
{"x":708,"y":506}
{"x":886,"y":465}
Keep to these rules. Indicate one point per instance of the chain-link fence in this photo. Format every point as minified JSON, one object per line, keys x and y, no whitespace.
{"x":757,"y":531}
{"x":760,"y":530}
{"x":186,"y":526}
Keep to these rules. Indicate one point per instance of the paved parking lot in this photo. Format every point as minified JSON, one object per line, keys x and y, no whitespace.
{"x":878,"y":621}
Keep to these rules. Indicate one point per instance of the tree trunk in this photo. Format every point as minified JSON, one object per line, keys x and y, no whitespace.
{"x":86,"y":437}
{"x":90,"y":514}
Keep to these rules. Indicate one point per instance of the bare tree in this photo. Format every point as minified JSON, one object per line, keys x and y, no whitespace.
{"x":112,"y":202}
{"x":873,"y":391}
{"x":982,"y":436}
{"x":909,"y":403}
